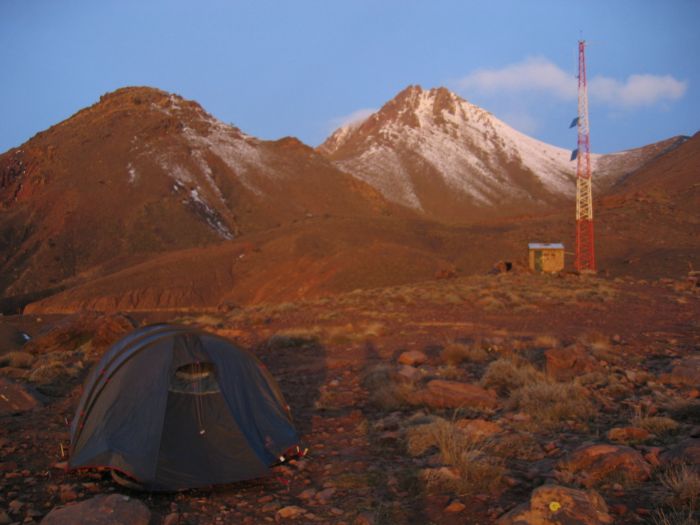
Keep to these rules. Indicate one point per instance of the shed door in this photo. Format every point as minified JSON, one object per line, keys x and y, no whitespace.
{"x":538,"y":260}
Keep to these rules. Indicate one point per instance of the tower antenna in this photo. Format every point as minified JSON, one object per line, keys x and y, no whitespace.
{"x":585,"y":246}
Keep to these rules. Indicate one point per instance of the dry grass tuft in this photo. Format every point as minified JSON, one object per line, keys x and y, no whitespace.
{"x":473,"y":471}
{"x":510,"y":373}
{"x":48,"y":372}
{"x":655,"y":424}
{"x":384,"y":391}
{"x":17,"y":360}
{"x":684,"y":485}
{"x":456,"y":353}
{"x":551,"y":404}
{"x":674,"y":517}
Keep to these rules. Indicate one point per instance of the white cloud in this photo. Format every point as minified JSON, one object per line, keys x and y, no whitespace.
{"x":354,"y":118}
{"x":542,"y":76}
{"x":533,"y":74}
{"x":638,"y":90}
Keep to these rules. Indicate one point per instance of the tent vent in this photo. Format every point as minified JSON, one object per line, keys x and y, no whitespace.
{"x":195,"y":378}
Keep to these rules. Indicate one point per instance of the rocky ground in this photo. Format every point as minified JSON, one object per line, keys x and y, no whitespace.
{"x":507,"y":398}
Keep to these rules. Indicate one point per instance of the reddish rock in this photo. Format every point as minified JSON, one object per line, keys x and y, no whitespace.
{"x":453,"y":394}
{"x":115,"y":509}
{"x":172,"y":519}
{"x":455,"y":507}
{"x":413,"y":358}
{"x":409,"y":373}
{"x":593,"y":464}
{"x":479,"y":428}
{"x":289,"y":512}
{"x":627,"y":434}
{"x":564,"y":364}
{"x":15,"y":399}
{"x":556,"y":505}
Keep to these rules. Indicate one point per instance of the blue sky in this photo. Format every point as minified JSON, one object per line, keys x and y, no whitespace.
{"x":278,"y":68}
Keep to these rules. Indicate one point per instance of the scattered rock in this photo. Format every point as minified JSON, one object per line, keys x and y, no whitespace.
{"x":479,"y":428}
{"x":115,"y":509}
{"x":684,"y":373}
{"x":627,"y":434}
{"x":593,"y":464}
{"x":289,"y":512}
{"x":413,"y":358}
{"x":439,"y":393}
{"x":172,"y":519}
{"x":564,"y":364}
{"x":555,"y":505}
{"x":15,"y":398}
{"x":409,"y":373}
{"x":455,"y":507}
{"x":364,"y":518}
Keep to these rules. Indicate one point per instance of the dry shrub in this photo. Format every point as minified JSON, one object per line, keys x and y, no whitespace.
{"x":655,"y":424}
{"x":392,"y":396}
{"x":510,"y":373}
{"x":522,"y":446}
{"x":294,"y":337}
{"x":551,"y":404}
{"x":17,"y":359}
{"x":456,"y":353}
{"x":48,"y":372}
{"x":384,"y":391}
{"x":684,"y":485}
{"x":476,"y":470}
{"x":674,"y":517}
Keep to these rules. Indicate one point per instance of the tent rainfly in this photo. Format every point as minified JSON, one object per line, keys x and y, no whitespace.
{"x":174,"y":408}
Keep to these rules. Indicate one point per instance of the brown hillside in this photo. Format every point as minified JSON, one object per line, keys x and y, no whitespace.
{"x":143,"y":172}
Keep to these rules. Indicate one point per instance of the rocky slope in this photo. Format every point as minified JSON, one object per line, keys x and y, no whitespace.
{"x":142,"y":172}
{"x":438,"y":154}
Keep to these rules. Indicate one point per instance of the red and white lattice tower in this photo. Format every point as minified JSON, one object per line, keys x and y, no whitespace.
{"x":585,"y":250}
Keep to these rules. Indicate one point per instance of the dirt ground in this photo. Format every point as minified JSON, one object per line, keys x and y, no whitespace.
{"x":361,"y":467}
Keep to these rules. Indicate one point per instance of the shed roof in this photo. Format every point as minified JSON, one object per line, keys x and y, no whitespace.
{"x":545,"y":246}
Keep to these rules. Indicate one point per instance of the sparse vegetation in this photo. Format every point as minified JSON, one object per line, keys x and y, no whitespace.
{"x":657,"y":425}
{"x":551,"y":404}
{"x":473,"y":470}
{"x":510,"y":373}
{"x":456,"y":353}
{"x":683,"y":483}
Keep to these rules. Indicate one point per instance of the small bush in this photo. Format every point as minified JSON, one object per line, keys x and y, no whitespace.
{"x":551,"y":404}
{"x":456,"y":353}
{"x":658,"y":425}
{"x":474,"y":469}
{"x":508,"y":374}
{"x":684,"y":485}
{"x":47,"y":373}
{"x":17,"y":360}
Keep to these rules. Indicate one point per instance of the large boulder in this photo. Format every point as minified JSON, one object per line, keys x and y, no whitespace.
{"x":439,"y":393}
{"x":595,"y":464}
{"x":15,"y":398}
{"x":557,"y":505}
{"x":564,"y":364}
{"x":115,"y":509}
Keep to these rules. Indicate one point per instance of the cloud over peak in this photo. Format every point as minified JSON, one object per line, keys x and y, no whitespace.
{"x":539,"y":75}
